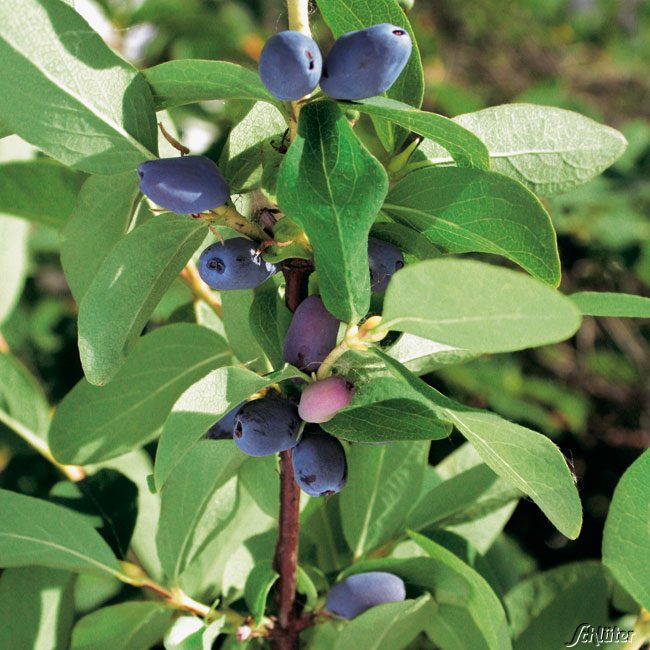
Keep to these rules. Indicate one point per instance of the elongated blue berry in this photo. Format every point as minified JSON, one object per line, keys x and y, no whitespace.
{"x":185,"y":185}
{"x":234,"y":264}
{"x":365,"y":63}
{"x":266,"y":426}
{"x":290,"y":65}
{"x":361,"y":591}
{"x":319,"y":464}
{"x":311,"y":335}
{"x":222,"y":429}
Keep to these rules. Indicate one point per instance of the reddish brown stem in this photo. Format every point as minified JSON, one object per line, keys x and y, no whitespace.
{"x":286,"y":555}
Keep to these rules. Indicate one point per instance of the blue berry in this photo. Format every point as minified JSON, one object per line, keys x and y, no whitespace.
{"x":234,"y":264}
{"x":384,"y":260}
{"x":319,"y":464}
{"x":266,"y":426}
{"x":365,"y":63}
{"x":361,"y":591}
{"x":290,"y":65}
{"x":185,"y":185}
{"x":311,"y":335}
{"x":222,"y":430}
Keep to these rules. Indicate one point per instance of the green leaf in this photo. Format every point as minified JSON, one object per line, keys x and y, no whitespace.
{"x":87,"y":426}
{"x":389,"y":403}
{"x":527,"y":460}
{"x":548,"y":149}
{"x":422,"y":356}
{"x":204,"y":403}
{"x":261,"y":478}
{"x":36,"y":608}
{"x":237,"y":325}
{"x":22,"y":397}
{"x":453,"y":500}
{"x":36,"y":532}
{"x":470,"y":210}
{"x":249,"y":144}
{"x":269,"y":321}
{"x":22,"y":195}
{"x":476,"y":306}
{"x":196,"y":502}
{"x":390,"y":626}
{"x":176,"y":83}
{"x":108,"y":501}
{"x":467,"y":588}
{"x":465,"y":148}
{"x":224,"y":564}
{"x":342,"y":18}
{"x":384,"y":482}
{"x":100,"y":218}
{"x":547,"y":609}
{"x":626,"y":540}
{"x":4,"y":131}
{"x":127,"y":287}
{"x":258,"y":586}
{"x":64,"y":91}
{"x":332,"y":187}
{"x":13,"y":262}
{"x":127,"y":626}
{"x":625,"y":305}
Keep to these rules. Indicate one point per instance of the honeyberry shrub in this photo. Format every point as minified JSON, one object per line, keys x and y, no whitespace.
{"x":205,"y":545}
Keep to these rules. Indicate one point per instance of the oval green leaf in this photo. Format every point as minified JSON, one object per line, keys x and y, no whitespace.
{"x":476,"y":306}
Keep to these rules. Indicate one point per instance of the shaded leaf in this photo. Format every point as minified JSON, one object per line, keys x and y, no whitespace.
{"x":101,"y":217}
{"x":36,"y":608}
{"x":127,"y":287}
{"x":88,"y":427}
{"x":36,"y":532}
{"x":384,"y":482}
{"x":22,"y":195}
{"x":258,"y":586}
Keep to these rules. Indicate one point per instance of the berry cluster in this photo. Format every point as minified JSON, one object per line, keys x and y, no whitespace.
{"x":360,"y":64}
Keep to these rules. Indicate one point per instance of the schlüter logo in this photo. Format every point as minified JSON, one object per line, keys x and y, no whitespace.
{"x":598,"y":636}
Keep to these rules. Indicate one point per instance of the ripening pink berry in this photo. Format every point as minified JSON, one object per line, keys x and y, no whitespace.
{"x":322,"y":400}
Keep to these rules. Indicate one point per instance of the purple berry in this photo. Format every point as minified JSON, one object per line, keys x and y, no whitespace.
{"x":361,"y":591}
{"x":234,"y":264}
{"x":266,"y":426}
{"x":322,"y":400}
{"x":185,"y":185}
{"x":311,"y":335}
{"x":365,"y":63}
{"x":290,"y":65}
{"x":384,"y":260}
{"x":319,"y":464}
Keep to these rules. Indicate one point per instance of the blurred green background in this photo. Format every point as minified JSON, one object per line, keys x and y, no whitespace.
{"x":590,"y":395}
